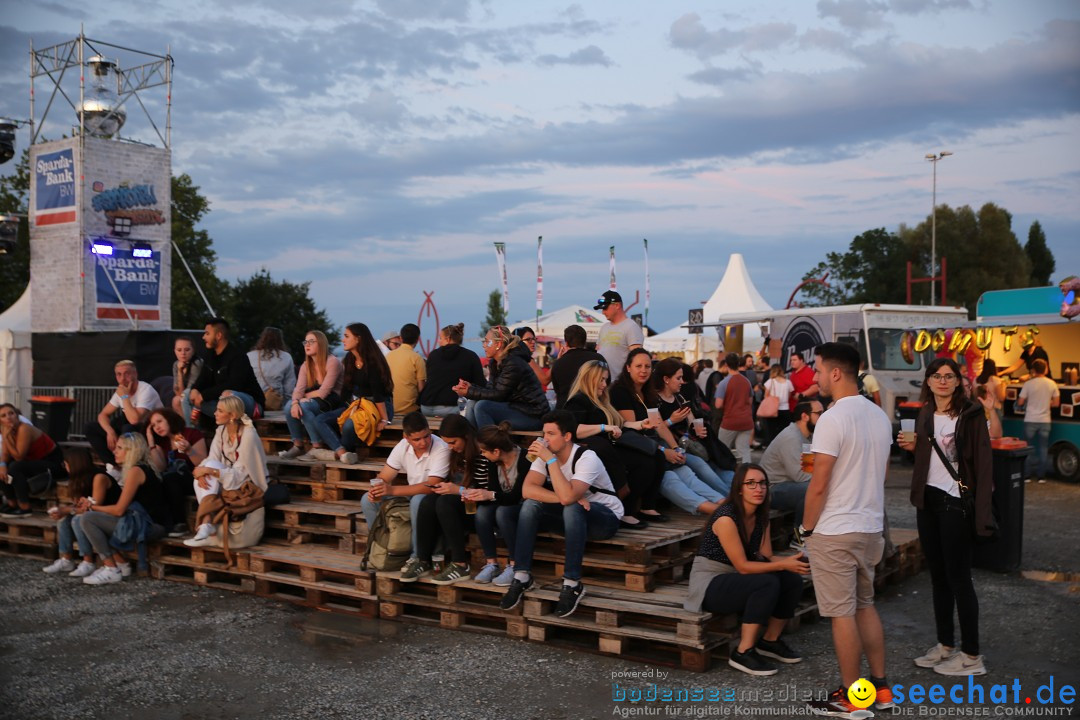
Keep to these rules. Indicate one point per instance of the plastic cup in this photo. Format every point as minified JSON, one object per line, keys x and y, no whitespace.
{"x":196,"y":413}
{"x":807,"y":459}
{"x":907,"y":430}
{"x":530,"y":456}
{"x":654,"y":415}
{"x":699,"y":423}
{"x":470,"y":507}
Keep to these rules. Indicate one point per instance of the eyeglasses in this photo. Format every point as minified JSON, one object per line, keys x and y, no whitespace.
{"x":756,"y":483}
{"x":942,"y":378}
{"x":310,"y":342}
{"x":489,"y":343}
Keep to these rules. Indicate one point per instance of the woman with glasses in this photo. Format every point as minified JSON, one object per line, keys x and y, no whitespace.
{"x":317,"y":391}
{"x":951,"y":446}
{"x":446,"y":365}
{"x":600,"y":427}
{"x":735,"y":572}
{"x":528,"y":337}
{"x":514,"y":393}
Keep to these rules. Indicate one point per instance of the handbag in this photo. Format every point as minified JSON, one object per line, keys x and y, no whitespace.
{"x":967,"y":501}
{"x":41,"y":484}
{"x":636,"y":441}
{"x":769,"y":407}
{"x":274,"y":400}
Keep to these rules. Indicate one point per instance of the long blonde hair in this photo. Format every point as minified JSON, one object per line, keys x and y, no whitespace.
{"x":777,"y":371}
{"x":318,"y":360}
{"x":509,"y":340}
{"x":138,"y":452}
{"x":587,"y":382}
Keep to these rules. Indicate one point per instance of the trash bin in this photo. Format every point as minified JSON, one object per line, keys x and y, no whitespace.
{"x":52,"y":415}
{"x":1003,"y":555}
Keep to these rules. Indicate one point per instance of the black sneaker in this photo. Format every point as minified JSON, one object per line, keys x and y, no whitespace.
{"x":15,"y":512}
{"x":513,"y":594}
{"x":569,"y":597}
{"x":178,"y":530}
{"x":778,"y":650}
{"x":751,"y":663}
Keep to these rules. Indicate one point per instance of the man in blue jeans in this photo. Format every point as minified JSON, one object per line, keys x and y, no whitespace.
{"x":567,"y":490}
{"x":1037,"y":397}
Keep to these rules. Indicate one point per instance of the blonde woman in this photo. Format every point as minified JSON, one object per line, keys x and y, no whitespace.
{"x":139,"y":485}
{"x":600,"y":428}
{"x":318,"y":390}
{"x":236,"y":459}
{"x":514,"y":394}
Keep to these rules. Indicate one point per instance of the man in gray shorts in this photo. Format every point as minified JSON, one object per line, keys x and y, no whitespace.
{"x":843,"y":521}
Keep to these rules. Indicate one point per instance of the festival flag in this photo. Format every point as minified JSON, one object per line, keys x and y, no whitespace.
{"x":500,"y":258}
{"x":611,"y":265}
{"x":646,"y":241}
{"x":539,"y":275}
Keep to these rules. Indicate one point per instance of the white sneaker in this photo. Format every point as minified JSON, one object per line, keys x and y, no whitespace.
{"x":59,"y":565}
{"x":291,"y":453}
{"x":961,"y":664}
{"x":105,"y":575}
{"x":935,"y":655}
{"x":349,"y":458}
{"x":84,"y":569}
{"x":125,"y":569}
{"x":205,"y":531}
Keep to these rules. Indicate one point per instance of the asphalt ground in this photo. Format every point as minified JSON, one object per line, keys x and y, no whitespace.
{"x":152,"y":649}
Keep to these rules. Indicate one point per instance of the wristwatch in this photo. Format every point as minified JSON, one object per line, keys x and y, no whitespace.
{"x":804,"y":532}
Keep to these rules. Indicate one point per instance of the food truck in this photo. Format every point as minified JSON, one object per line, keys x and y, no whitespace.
{"x":1010,"y":320}
{"x":885,"y":335}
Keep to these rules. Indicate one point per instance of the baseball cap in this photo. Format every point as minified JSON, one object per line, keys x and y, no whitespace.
{"x":606,"y":299}
{"x":390,"y":335}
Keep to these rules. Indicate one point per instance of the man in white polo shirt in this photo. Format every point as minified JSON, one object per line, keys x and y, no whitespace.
{"x":425,"y":460}
{"x":579,"y":502}
{"x":126,"y":411}
{"x":843,"y":521}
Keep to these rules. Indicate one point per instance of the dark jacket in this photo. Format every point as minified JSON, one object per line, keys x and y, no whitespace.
{"x":231,"y":370}
{"x":515,"y":383}
{"x":565,"y":370}
{"x":445,"y":366}
{"x":513,"y":496}
{"x":974,"y":453}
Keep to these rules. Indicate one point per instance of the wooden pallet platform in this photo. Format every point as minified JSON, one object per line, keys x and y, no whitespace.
{"x":315,"y":523}
{"x":170,"y":559}
{"x":324,"y":481}
{"x":464,"y":605}
{"x":607,"y":570}
{"x":34,"y":536}
{"x":319,"y":578}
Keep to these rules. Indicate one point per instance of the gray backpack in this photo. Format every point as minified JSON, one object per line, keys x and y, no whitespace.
{"x":390,"y":538}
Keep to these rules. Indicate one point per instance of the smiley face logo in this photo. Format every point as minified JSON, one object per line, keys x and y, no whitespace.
{"x":862,"y":693}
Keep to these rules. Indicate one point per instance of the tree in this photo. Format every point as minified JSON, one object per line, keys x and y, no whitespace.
{"x":14,"y":200}
{"x":495,"y":314}
{"x":260,"y":301}
{"x":867,"y":272}
{"x":188,"y":308}
{"x":1042,"y":260}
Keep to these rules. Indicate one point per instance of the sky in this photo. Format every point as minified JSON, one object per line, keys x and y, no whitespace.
{"x":379,"y":149}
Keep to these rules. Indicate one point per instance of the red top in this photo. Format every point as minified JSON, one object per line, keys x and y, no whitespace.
{"x":40,"y":448}
{"x":190,"y":434}
{"x":802,"y":379}
{"x":738,"y":413}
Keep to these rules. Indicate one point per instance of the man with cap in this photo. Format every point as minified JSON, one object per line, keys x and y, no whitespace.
{"x":391,"y":340}
{"x":619,"y":335}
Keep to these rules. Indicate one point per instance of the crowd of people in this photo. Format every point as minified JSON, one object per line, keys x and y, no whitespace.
{"x":623,"y":438}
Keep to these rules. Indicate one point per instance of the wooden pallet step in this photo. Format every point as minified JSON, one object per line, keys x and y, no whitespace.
{"x":28,"y":529}
{"x":317,"y":567}
{"x":318,"y":596}
{"x":179,"y":571}
{"x":464,"y":605}
{"x":641,"y":580}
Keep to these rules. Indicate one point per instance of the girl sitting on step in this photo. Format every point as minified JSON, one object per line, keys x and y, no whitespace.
{"x":85,"y":481}
{"x":499,"y":500}
{"x":317,"y":391}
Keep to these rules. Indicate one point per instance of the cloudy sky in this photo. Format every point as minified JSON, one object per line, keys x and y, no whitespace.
{"x":378,"y":149}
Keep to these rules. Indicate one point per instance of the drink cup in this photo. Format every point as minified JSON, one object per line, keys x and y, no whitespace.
{"x":196,"y":413}
{"x":907,"y":430}
{"x":807,"y":459}
{"x":654,"y":415}
{"x":699,"y":424}
{"x":376,"y":483}
{"x":530,"y":456}
{"x":470,"y":507}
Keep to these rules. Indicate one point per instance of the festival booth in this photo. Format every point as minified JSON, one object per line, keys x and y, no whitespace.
{"x":16,"y":362}
{"x":736,"y":295}
{"x":551,"y":326}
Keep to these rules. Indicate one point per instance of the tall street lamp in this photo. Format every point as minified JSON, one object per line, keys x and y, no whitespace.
{"x":933,"y":224}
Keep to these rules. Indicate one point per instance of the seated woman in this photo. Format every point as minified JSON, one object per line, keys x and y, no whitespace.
{"x":735,"y":572}
{"x":499,"y":503}
{"x":317,"y":391}
{"x":366,"y":376}
{"x":677,"y":413}
{"x":514,"y":393}
{"x":442,"y":514}
{"x":640,"y":473}
{"x":446,"y":365}
{"x":185,"y":371}
{"x":633,"y":394}
{"x":142,"y":497}
{"x":26,"y":452}
{"x":175,"y":450}
{"x":85,"y":482}
{"x":231,"y":481}
{"x":528,"y":339}
{"x":273,"y":367}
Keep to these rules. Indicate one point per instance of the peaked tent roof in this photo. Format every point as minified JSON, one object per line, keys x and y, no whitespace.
{"x":678,"y":339}
{"x":554,"y":323}
{"x":735,"y":294}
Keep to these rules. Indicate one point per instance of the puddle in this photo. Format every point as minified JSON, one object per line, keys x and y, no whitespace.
{"x":333,"y":630}
{"x":1070,"y":578}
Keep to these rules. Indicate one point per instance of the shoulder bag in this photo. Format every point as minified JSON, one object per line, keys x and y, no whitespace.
{"x":274,"y":400}
{"x":967,"y":500}
{"x":769,"y":407}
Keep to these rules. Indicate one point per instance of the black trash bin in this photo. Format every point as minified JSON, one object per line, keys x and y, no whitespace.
{"x":52,"y":415}
{"x":1003,"y":555}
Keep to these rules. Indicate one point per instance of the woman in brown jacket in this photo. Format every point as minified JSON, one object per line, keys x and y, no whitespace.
{"x":959,"y":427}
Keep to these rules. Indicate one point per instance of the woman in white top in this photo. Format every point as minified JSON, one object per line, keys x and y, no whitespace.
{"x":274,"y":368}
{"x":781,"y":388}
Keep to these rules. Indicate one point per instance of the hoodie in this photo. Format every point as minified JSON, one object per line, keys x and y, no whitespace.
{"x":445,"y":366}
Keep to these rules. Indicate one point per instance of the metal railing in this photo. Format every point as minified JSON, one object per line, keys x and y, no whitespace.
{"x":89,"y":399}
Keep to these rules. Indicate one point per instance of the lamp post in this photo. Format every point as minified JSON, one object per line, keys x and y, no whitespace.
{"x":933,"y":224}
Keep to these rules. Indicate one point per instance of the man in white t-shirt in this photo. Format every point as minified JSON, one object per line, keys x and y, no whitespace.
{"x":843,"y":519}
{"x":1038,"y":396}
{"x":425,"y":460}
{"x":126,"y":410}
{"x":579,"y":501}
{"x":619,"y":335}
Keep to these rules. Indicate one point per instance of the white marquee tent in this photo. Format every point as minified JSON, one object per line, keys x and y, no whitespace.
{"x":554,"y":323}
{"x":16,"y":360}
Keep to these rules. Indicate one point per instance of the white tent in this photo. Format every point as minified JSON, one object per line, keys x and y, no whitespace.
{"x":16,"y":360}
{"x":554,"y":323}
{"x":737,"y":295}
{"x":679,"y":340}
